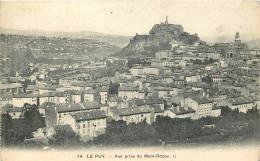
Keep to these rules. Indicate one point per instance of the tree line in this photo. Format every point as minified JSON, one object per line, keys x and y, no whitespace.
{"x":230,"y":126}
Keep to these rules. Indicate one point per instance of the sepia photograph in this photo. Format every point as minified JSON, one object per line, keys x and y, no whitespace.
{"x":130,"y":80}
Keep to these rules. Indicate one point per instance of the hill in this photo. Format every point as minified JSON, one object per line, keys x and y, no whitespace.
{"x":158,"y":39}
{"x":254,"y":43}
{"x":117,"y":40}
{"x":246,"y":38}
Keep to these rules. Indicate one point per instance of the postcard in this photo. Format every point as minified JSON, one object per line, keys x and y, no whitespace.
{"x":130,"y":80}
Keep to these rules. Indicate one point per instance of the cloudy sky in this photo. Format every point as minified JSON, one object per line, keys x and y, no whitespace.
{"x":131,"y":17}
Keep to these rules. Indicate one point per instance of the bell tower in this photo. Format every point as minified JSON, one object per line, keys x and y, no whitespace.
{"x":166,"y":20}
{"x":237,"y":39}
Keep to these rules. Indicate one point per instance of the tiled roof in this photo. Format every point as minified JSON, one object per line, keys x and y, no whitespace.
{"x":11,"y":85}
{"x":91,"y":105}
{"x":95,"y":114}
{"x":137,"y":67}
{"x":182,"y":110}
{"x":133,"y":111}
{"x":163,"y":88}
{"x":23,"y":95}
{"x":128,"y":88}
{"x":202,"y":100}
{"x":239,"y":101}
{"x":141,"y":102}
{"x":69,"y":108}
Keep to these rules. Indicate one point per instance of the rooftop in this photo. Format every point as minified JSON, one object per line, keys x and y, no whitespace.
{"x":133,"y":111}
{"x":11,"y":85}
{"x":69,"y":108}
{"x":182,"y":110}
{"x":95,"y":114}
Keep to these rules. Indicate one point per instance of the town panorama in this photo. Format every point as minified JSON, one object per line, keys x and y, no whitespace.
{"x":167,"y":87}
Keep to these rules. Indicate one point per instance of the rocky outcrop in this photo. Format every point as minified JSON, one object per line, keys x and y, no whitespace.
{"x":159,"y":34}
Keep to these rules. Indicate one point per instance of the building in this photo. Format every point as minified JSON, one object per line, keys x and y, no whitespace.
{"x":151,"y":70}
{"x":180,"y":112}
{"x":76,"y":97}
{"x":163,"y":92}
{"x":62,"y":110}
{"x":162,"y":54}
{"x":134,"y":115}
{"x":112,"y":101}
{"x":127,"y":93}
{"x":57,"y":98}
{"x":217,"y":78}
{"x":201,"y":105}
{"x":87,"y":124}
{"x":179,"y":81}
{"x":90,"y":95}
{"x":242,"y":104}
{"x":137,"y":70}
{"x":6,"y":99}
{"x":15,"y":113}
{"x":103,"y":95}
{"x":11,"y":88}
{"x":20,"y":99}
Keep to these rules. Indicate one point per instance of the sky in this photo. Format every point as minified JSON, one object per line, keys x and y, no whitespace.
{"x":130,"y":17}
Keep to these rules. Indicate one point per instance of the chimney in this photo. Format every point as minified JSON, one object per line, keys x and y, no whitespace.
{"x":178,"y":108}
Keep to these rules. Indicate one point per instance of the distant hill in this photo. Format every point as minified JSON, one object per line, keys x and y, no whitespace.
{"x":117,"y":40}
{"x":254,"y":43}
{"x":229,"y":38}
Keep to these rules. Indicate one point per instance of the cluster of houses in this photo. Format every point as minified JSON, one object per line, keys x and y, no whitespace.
{"x":172,"y":85}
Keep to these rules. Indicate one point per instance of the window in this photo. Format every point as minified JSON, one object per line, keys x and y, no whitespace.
{"x":78,"y":126}
{"x":83,"y":125}
{"x":59,"y":115}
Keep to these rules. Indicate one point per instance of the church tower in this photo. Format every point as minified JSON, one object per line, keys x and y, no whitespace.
{"x":166,"y":21}
{"x":237,"y":39}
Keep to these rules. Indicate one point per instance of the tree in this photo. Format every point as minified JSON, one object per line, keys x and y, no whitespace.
{"x":207,"y":79}
{"x":119,"y":133}
{"x":253,"y":111}
{"x":113,"y":88}
{"x":16,"y":130}
{"x":64,"y":138}
{"x":32,"y":115}
{"x":187,"y":38}
{"x":225,"y":110}
{"x":210,"y":61}
{"x":7,"y":125}
{"x":175,"y":104}
{"x":108,"y":63}
{"x":133,"y":61}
